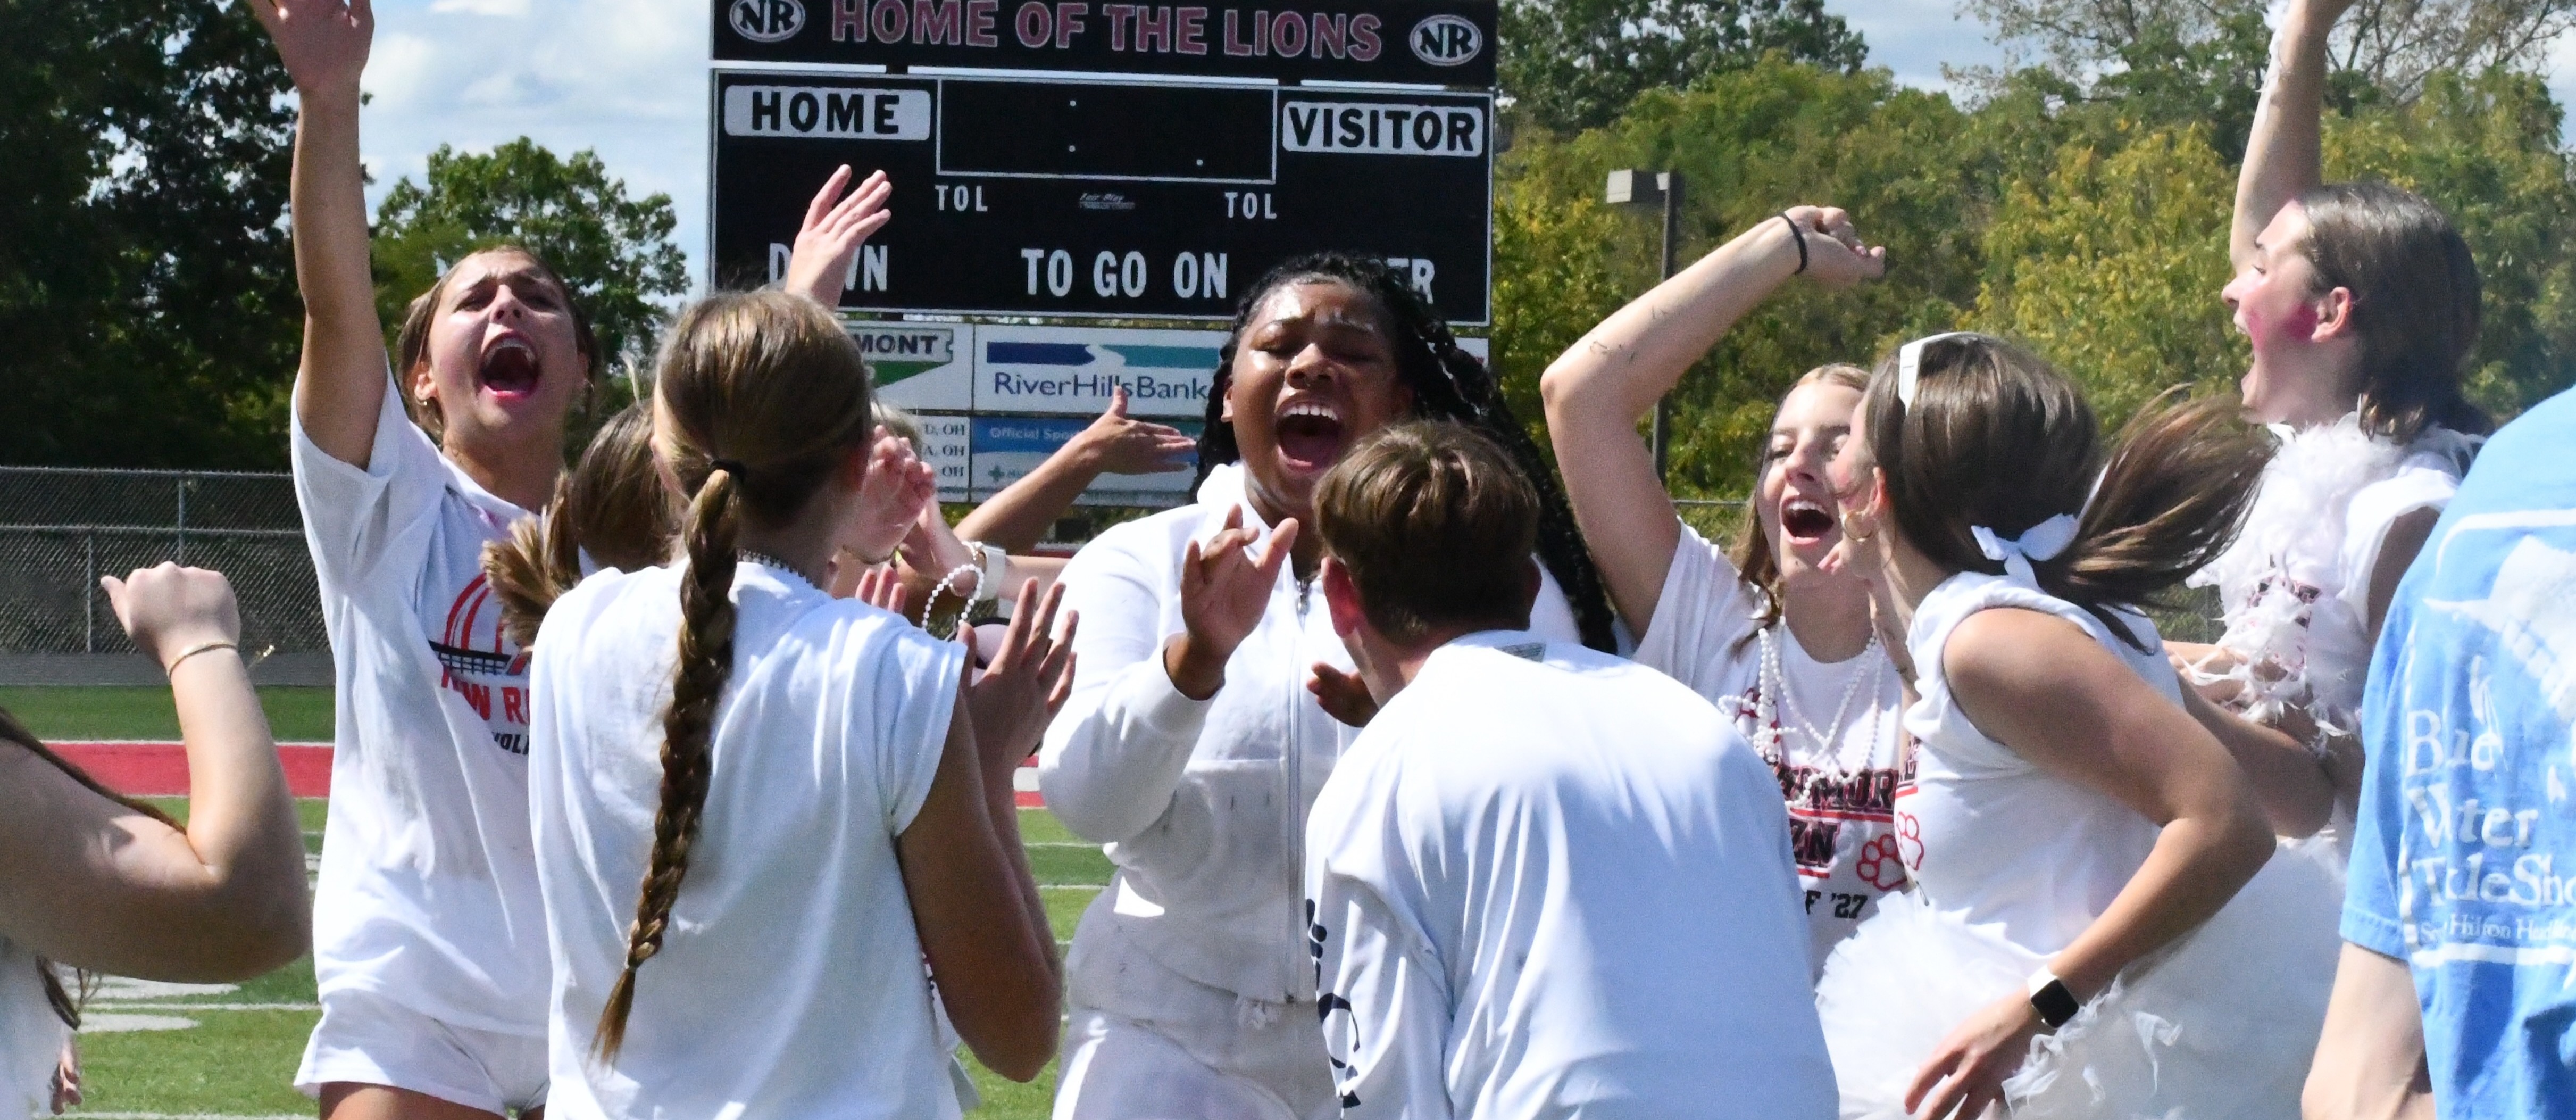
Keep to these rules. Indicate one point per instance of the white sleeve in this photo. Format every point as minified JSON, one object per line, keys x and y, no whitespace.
{"x":2374,"y":511}
{"x":1379,"y":983}
{"x":1114,"y":755}
{"x":357,"y":518}
{"x":909,"y":705}
{"x":1705,"y":608}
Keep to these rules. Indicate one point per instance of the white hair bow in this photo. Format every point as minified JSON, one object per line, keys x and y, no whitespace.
{"x":2043,"y":541}
{"x":1909,"y":363}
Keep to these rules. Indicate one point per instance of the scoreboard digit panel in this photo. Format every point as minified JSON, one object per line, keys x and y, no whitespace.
{"x":1073,"y":198}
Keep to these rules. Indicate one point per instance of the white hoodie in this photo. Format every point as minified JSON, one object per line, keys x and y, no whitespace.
{"x":1202,"y":803}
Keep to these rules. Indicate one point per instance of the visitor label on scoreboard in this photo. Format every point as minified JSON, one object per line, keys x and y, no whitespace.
{"x":1075,"y":197}
{"x":1422,"y":42}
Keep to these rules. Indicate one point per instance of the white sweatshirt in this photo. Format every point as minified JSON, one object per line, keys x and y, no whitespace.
{"x":1551,"y":883}
{"x":1202,"y":803}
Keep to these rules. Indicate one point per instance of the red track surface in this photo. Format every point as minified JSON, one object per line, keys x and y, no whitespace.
{"x":147,"y":769}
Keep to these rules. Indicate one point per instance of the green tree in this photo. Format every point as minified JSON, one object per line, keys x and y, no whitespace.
{"x":1575,"y":64}
{"x":146,"y":283}
{"x":2111,"y":267}
{"x":614,"y":251}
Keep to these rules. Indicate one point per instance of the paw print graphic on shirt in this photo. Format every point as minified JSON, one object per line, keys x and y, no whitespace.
{"x":1879,"y":863}
{"x":1909,"y":840}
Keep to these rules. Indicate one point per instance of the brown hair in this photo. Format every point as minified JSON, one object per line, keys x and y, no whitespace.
{"x":1995,"y":438}
{"x":1754,"y":560}
{"x":611,"y":505}
{"x":65,"y":1003}
{"x":766,"y":396}
{"x":1435,"y":525}
{"x":2415,"y":295}
{"x":411,"y":343}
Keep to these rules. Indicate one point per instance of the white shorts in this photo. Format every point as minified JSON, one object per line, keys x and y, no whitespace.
{"x":1115,"y":1068}
{"x":366,"y":1039}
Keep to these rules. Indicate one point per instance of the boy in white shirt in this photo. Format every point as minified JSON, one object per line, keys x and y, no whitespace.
{"x":1544,"y":881}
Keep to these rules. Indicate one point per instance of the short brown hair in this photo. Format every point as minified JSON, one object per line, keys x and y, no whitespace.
{"x":1435,"y":525}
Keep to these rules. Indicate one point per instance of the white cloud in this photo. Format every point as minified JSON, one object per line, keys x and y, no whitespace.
{"x":480,"y":7}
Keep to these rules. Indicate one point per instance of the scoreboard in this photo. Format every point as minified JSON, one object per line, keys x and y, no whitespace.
{"x":1080,"y":197}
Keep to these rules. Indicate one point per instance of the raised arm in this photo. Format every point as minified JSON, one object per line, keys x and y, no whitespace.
{"x":2065,"y":704}
{"x":92,"y":882}
{"x":976,"y":904}
{"x":2284,"y":155}
{"x":340,"y":384}
{"x":827,"y":244}
{"x":1018,"y":518}
{"x":1598,"y":390}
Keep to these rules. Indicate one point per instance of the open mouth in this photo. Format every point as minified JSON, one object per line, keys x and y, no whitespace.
{"x":509,"y":367}
{"x":1804,"y":521}
{"x":1309,"y":434}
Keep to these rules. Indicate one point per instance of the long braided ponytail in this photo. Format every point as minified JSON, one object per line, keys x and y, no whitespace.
{"x":1448,"y":383}
{"x":767,"y":396}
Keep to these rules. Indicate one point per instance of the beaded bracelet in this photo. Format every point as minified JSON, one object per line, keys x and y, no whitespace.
{"x":947,"y":585}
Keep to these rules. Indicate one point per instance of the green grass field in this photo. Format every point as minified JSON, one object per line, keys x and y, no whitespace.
{"x":221,"y":1052}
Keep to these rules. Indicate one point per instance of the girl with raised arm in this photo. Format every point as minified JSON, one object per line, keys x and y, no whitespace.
{"x":2360,"y":301}
{"x":1192,"y":746}
{"x":2082,"y":939}
{"x":1781,"y":646}
{"x":760,"y":809}
{"x":94,"y":881}
{"x":429,"y":942}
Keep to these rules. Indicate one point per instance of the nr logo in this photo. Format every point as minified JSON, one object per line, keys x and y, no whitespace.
{"x":1446,"y":40}
{"x":766,"y":21}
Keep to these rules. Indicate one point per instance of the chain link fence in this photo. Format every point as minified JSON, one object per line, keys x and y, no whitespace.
{"x":63,"y":528}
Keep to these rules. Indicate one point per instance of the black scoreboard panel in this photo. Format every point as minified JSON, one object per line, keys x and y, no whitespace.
{"x":1066,"y":197}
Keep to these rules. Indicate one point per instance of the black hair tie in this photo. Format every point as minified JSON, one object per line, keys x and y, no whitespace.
{"x":1801,"y":237}
{"x":732,"y":467}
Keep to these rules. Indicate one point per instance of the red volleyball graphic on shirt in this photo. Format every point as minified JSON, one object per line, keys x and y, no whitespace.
{"x":1909,"y":840}
{"x":1881,"y":863}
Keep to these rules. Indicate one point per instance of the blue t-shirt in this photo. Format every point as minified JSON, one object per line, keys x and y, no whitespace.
{"x":2464,"y":861}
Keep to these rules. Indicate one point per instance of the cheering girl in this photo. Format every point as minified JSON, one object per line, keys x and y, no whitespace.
{"x":2069,"y":822}
{"x":1767,"y":635}
{"x":2361,"y":304}
{"x":1192,"y":746}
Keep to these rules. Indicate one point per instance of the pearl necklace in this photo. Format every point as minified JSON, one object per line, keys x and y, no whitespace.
{"x":766,"y":560}
{"x":1831,"y":768}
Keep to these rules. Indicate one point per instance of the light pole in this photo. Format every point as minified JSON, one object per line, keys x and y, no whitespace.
{"x":1634,"y":187}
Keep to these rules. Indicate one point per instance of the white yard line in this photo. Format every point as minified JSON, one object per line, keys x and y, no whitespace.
{"x":1073,"y":886}
{"x":80,"y":1115}
{"x":206,"y":1007}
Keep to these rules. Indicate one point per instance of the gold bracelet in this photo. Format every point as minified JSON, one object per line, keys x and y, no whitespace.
{"x":192,"y":651}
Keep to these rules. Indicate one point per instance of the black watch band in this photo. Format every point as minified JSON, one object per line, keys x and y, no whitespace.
{"x":2049,"y":997}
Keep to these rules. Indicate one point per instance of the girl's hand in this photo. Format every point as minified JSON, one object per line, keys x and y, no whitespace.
{"x":168,"y":609}
{"x":1224,"y":592}
{"x":1979,"y":1054}
{"x":1116,"y":444}
{"x":323,"y":42}
{"x":1344,"y":696}
{"x":67,"y":1076}
{"x":1836,"y":258}
{"x":898,"y":487}
{"x":833,"y":231}
{"x":1025,"y":682}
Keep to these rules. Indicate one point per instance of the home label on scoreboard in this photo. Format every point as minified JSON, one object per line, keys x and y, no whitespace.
{"x":1079,"y":198}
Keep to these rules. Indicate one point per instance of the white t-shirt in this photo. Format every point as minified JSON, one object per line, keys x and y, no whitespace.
{"x":428,"y":889}
{"x":31,"y":1037}
{"x":1839,"y":831}
{"x":1547,"y":882}
{"x":1989,"y":835}
{"x":791,"y":981}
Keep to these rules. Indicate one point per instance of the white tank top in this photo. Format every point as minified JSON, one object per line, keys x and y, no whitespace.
{"x":1989,"y":836}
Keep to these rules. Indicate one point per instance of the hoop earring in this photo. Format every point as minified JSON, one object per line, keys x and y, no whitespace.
{"x":1844,"y":517}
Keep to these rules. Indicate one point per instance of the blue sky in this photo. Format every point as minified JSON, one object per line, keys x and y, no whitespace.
{"x":627,"y":78}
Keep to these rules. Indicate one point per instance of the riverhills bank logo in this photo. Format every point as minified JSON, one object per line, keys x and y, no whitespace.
{"x":1445,"y":40}
{"x":768,"y":21}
